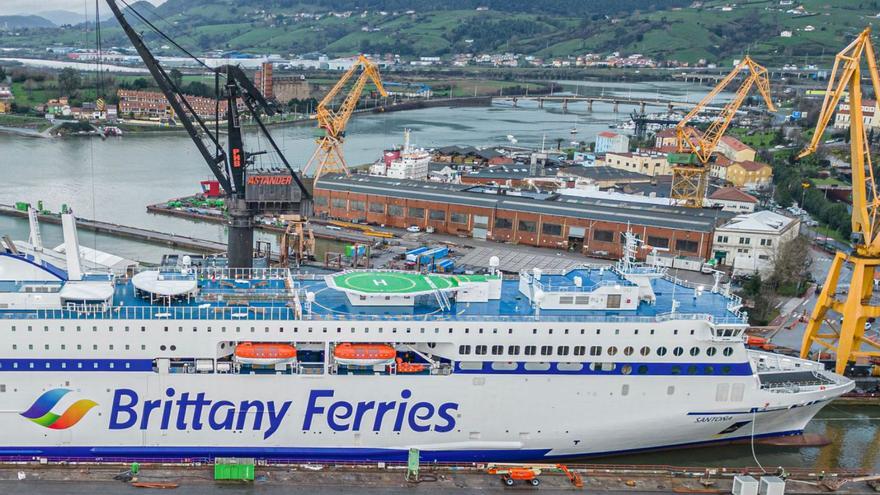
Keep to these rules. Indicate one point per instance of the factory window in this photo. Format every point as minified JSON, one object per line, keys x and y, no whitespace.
{"x":580,"y":350}
{"x":321,"y":200}
{"x":356,"y":205}
{"x":530,"y":350}
{"x":766,"y":242}
{"x":722,"y":238}
{"x":497,"y":350}
{"x":480,"y":349}
{"x":603,"y":235}
{"x":377,"y":207}
{"x":551,"y":229}
{"x":595,"y":350}
{"x":686,"y":245}
{"x":416,"y":213}
{"x":513,"y":350}
{"x":438,"y":215}
{"x":658,"y":242}
{"x":339,"y":203}
{"x":546,"y":350}
{"x":459,"y":218}
{"x":745,"y":240}
{"x":503,"y":223}
{"x":395,"y":210}
{"x":464,"y":349}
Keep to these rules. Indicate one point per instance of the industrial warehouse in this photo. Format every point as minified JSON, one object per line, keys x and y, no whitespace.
{"x":587,"y":225}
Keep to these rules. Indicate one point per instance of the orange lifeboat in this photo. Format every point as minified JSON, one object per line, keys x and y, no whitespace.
{"x":403,"y":367}
{"x":264,"y":354}
{"x":364,"y":354}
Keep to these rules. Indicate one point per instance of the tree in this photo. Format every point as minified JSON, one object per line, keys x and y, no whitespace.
{"x":791,"y":266}
{"x":68,"y":81}
{"x":2,"y":74}
{"x":176,"y":77}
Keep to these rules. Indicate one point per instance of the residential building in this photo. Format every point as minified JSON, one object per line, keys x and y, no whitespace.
{"x":735,"y":149}
{"x":733,"y":199}
{"x":154,"y":105}
{"x":666,"y":138}
{"x":647,"y":163}
{"x":749,"y":243}
{"x":869,"y":113}
{"x":749,"y":174}
{"x":611,"y":142}
{"x":6,"y":99}
{"x":718,"y":168}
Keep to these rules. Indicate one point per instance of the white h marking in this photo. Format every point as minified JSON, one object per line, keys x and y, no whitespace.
{"x":381,"y":282}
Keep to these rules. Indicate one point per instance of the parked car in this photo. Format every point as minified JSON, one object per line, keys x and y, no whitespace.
{"x":413,"y":228}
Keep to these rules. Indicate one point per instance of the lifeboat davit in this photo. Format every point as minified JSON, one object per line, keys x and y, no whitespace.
{"x":364,"y":354}
{"x":264,"y":354}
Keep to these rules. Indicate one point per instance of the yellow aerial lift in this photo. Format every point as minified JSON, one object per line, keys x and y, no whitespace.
{"x":331,"y":123}
{"x":855,"y":307}
{"x":690,"y":166}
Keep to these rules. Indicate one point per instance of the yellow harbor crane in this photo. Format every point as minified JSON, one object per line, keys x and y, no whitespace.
{"x":849,"y":341}
{"x":328,"y":156}
{"x":690,"y":165}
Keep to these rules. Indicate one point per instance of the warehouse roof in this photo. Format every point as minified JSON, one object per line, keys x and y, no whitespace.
{"x":698,"y":220}
{"x":604,"y":173}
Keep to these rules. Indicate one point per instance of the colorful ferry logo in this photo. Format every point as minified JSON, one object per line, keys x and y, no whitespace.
{"x":41,"y":410}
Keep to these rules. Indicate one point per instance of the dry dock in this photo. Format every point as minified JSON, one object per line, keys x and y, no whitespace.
{"x":29,"y":478}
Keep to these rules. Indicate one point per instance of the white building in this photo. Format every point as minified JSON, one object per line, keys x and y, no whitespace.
{"x":733,"y":199}
{"x":611,"y":142}
{"x":749,"y":242}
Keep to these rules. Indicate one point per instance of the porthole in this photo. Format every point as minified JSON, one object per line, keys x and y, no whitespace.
{"x":725,"y":369}
{"x":708,"y":370}
{"x":676,"y":370}
{"x":661,"y":351}
{"x":727,"y":351}
{"x":692,"y":370}
{"x":711,"y":351}
{"x":695,"y":351}
{"x":644,"y":351}
{"x":626,"y":369}
{"x":612,"y":350}
{"x":678,"y":351}
{"x":643,"y":369}
{"x":627,"y":351}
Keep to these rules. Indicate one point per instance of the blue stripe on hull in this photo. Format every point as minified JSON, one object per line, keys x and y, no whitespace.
{"x":108,"y":454}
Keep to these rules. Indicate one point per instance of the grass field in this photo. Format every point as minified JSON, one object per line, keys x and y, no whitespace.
{"x":686,"y":34}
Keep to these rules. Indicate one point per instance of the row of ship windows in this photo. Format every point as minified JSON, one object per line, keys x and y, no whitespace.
{"x":480,"y":331}
{"x":79,"y":347}
{"x":581,"y":350}
{"x":625,"y":369}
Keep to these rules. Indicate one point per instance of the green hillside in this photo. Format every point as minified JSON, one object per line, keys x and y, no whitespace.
{"x":663,"y":29}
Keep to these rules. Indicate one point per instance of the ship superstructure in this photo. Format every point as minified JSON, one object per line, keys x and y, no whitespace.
{"x":194,"y":359}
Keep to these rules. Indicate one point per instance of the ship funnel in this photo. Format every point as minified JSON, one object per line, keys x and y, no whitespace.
{"x":71,"y":247}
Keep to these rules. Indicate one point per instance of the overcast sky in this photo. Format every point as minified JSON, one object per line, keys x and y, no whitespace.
{"x":35,"y":6}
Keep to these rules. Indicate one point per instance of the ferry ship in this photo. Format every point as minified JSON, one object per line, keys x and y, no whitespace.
{"x":195,"y":360}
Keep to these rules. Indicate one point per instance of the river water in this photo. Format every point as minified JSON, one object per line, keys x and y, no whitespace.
{"x":115,"y":179}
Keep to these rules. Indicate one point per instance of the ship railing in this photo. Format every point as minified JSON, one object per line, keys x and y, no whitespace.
{"x":288,"y":313}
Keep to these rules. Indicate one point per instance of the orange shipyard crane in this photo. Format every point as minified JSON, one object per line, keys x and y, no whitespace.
{"x":855,"y":303}
{"x":690,"y":165}
{"x":328,"y":157}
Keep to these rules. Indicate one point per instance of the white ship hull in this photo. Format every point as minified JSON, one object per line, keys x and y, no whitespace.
{"x":452,"y":418}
